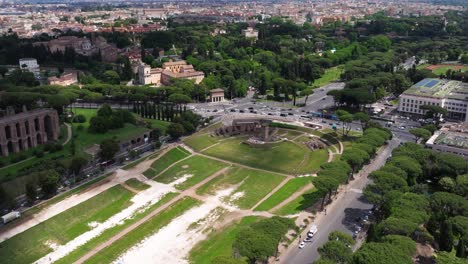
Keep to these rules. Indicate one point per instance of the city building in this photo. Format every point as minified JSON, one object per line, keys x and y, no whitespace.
{"x":27,"y":129}
{"x":30,"y":65}
{"x":451,"y":139}
{"x":250,"y":32}
{"x":67,"y":78}
{"x":217,"y":95}
{"x":173,"y":69}
{"x":451,"y":95}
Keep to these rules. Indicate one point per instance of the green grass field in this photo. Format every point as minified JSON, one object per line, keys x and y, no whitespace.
{"x":30,"y":245}
{"x":148,"y":228}
{"x":283,"y":193}
{"x":171,"y":157}
{"x":219,"y":243}
{"x":253,"y":184}
{"x":199,"y":142}
{"x":137,"y":185}
{"x":199,"y":167}
{"x":301,"y":203}
{"x":106,"y":235}
{"x":330,"y":75}
{"x":285,"y":157}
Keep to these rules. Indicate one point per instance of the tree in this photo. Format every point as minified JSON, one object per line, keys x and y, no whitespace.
{"x":31,"y":192}
{"x":108,"y":149}
{"x":175,"y":130}
{"x":48,"y":182}
{"x":447,"y":184}
{"x":420,"y":133}
{"x":434,"y":111}
{"x":254,"y":245}
{"x":336,"y":251}
{"x":3,"y":71}
{"x":346,"y":119}
{"x":363,"y":118}
{"x":111,"y":77}
{"x":446,"y":237}
{"x":77,"y":164}
{"x":461,"y":247}
{"x":355,"y":158}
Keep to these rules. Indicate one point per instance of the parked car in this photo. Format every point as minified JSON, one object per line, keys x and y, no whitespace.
{"x":302,"y":245}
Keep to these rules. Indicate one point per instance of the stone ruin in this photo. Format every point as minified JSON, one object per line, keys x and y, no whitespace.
{"x":259,"y":129}
{"x":315,"y":143}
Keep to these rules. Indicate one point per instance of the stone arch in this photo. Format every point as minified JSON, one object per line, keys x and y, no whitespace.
{"x":39,"y":138}
{"x":48,"y":127}
{"x":36,"y":124}
{"x":18,"y":130}
{"x":29,"y":142}
{"x":8,"y":132}
{"x":10,"y":147}
{"x":26,"y":124}
{"x":20,"y":144}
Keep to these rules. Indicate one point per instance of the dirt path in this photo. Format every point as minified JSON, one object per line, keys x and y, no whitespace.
{"x":69,"y":133}
{"x":273,"y":191}
{"x":292,"y":197}
{"x":172,"y":165}
{"x":135,"y":225}
{"x":209,"y":147}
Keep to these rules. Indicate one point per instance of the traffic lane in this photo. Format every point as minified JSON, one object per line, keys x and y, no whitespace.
{"x":344,"y":221}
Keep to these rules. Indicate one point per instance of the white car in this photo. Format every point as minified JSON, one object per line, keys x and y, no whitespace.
{"x":302,"y":244}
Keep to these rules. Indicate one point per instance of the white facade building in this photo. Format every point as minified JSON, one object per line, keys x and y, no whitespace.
{"x":451,"y":95}
{"x":451,"y":139}
{"x":30,"y":65}
{"x":250,"y":32}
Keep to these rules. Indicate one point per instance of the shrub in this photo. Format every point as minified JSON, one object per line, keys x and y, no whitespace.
{"x":79,"y":119}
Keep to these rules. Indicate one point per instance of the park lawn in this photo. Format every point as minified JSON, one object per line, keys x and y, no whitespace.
{"x":136,"y":184}
{"x":301,"y":203}
{"x":283,"y":193}
{"x":219,"y":243}
{"x":330,"y":75}
{"x":171,"y":157}
{"x":197,"y":166}
{"x":253,"y":184}
{"x":422,"y":66}
{"x":85,"y":139}
{"x":106,"y":235}
{"x":161,"y":125}
{"x":31,"y":245}
{"x":443,"y":69}
{"x":312,"y":161}
{"x":289,"y":134}
{"x":202,"y":141}
{"x":112,"y":252}
{"x":284,"y":157}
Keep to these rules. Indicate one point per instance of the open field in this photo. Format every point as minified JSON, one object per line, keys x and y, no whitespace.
{"x":283,"y":193}
{"x":39,"y":240}
{"x":79,"y":252}
{"x":301,"y":203}
{"x":285,"y":157}
{"x":190,"y":171}
{"x":250,"y":186}
{"x":219,"y":243}
{"x":171,"y":157}
{"x":137,"y":185}
{"x":111,"y":253}
{"x":330,"y":75}
{"x":199,"y":142}
{"x":439,"y":69}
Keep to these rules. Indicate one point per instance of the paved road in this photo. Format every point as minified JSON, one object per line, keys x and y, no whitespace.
{"x":341,"y":213}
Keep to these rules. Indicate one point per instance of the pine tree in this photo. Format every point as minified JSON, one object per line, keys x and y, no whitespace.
{"x":461,"y":248}
{"x":446,"y":237}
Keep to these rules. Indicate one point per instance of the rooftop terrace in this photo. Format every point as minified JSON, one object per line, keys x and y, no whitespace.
{"x":458,"y":140}
{"x":437,"y":88}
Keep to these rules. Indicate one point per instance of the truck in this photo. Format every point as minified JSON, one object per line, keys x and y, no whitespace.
{"x":10,"y":216}
{"x":312,"y":231}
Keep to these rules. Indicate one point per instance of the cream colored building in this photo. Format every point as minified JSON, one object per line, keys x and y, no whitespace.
{"x":451,"y":139}
{"x":68,"y":78}
{"x":250,"y":32}
{"x":169,"y":70}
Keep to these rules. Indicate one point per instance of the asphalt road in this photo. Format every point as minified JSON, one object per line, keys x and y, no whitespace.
{"x":342,"y":213}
